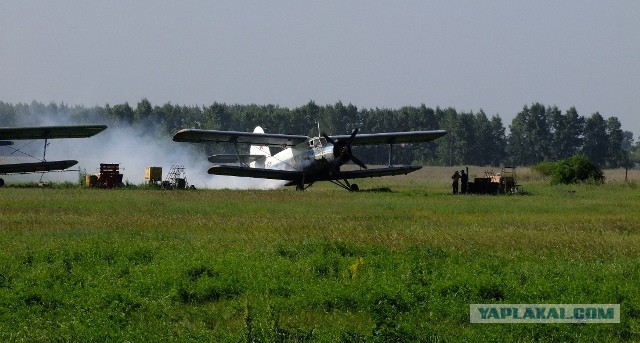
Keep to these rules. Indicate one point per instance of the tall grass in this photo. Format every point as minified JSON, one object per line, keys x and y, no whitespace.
{"x":323,"y":265}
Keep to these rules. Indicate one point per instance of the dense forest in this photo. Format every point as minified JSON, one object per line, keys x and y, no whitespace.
{"x":537,"y":134}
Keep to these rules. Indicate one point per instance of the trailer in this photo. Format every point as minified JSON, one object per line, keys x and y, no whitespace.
{"x":503,"y":182}
{"x":109,"y":177}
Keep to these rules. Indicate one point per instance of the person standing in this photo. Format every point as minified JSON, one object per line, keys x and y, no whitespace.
{"x":454,"y":184}
{"x":464,"y":180}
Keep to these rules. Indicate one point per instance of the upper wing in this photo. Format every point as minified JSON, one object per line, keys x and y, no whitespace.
{"x":50,"y":132}
{"x":196,"y":135}
{"x":393,"y":137}
{"x":36,"y":166}
{"x":298,"y":176}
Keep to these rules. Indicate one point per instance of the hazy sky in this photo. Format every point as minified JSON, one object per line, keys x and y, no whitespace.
{"x":492,"y":55}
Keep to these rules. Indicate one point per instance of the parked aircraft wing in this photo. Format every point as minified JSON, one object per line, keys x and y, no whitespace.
{"x":35,"y":167}
{"x":196,"y":135}
{"x":50,"y":132}
{"x":392,"y":137}
{"x":233,"y":158}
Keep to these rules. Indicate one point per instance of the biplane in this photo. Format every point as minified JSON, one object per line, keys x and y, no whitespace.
{"x":303,"y":160}
{"x":9,"y":134}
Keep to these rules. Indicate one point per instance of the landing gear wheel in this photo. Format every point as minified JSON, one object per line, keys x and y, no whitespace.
{"x":299,"y":187}
{"x":1,"y":182}
{"x":354,"y":188}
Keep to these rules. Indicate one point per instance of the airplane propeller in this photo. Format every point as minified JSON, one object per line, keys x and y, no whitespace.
{"x":342,"y":152}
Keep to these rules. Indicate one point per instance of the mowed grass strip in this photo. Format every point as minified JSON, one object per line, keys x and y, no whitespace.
{"x":322,"y":265}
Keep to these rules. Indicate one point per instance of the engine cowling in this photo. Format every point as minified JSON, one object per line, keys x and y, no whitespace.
{"x":324,"y":153}
{"x":341,"y":151}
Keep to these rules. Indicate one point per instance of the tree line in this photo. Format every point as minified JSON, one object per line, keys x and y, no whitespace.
{"x":537,"y":134}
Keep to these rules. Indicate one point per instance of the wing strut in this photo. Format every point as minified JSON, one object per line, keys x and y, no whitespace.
{"x":44,"y":155}
{"x":240,"y":160}
{"x":234,"y":140}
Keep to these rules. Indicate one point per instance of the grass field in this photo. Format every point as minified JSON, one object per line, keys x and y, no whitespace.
{"x":322,"y":265}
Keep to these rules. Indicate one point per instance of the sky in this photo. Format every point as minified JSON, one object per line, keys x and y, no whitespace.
{"x":497,"y":56}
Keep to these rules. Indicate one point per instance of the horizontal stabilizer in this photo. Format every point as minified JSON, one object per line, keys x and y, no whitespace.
{"x":233,"y":158}
{"x":20,"y":168}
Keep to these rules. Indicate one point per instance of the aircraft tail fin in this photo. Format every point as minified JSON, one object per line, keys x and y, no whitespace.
{"x":262,"y":150}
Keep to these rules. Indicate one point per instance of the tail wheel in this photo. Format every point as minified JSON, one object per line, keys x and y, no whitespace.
{"x":354,"y":187}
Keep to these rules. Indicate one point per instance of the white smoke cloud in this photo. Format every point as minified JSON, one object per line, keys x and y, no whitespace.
{"x":134,"y":149}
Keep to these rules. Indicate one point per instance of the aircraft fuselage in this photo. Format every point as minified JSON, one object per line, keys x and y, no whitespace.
{"x":313,"y":156}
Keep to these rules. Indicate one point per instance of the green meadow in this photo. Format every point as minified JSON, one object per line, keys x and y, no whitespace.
{"x":400,"y":261}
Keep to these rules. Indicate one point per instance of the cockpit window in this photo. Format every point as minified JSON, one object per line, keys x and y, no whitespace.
{"x":317,"y":142}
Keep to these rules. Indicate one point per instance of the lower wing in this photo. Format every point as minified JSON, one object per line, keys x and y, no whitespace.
{"x":234,"y":158}
{"x":298,"y":176}
{"x":363,"y":173}
{"x":21,"y":168}
{"x":260,"y":173}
